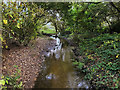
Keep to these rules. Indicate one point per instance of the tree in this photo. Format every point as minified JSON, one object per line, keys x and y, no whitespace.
{"x":54,"y":12}
{"x":20,"y":21}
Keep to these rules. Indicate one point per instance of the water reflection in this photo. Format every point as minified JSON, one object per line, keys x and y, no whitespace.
{"x":58,"y":71}
{"x":51,"y":76}
{"x":83,"y":84}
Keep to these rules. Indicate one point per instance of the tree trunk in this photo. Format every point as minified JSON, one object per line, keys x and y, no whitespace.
{"x":113,"y":5}
{"x":55,"y":26}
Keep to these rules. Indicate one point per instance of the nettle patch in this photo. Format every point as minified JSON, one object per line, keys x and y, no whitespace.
{"x":101,"y":56}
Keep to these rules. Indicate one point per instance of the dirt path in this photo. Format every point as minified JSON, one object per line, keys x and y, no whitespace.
{"x":28,"y":59}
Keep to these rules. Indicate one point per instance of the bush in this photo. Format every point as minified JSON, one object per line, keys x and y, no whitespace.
{"x":20,"y":22}
{"x":102,"y":60}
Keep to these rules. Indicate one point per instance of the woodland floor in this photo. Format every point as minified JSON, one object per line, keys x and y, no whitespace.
{"x":29,"y":60}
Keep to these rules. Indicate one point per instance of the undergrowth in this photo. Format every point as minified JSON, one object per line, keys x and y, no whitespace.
{"x":11,"y":81}
{"x":101,"y":60}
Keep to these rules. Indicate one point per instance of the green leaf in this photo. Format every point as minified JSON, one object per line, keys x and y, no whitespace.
{"x":2,"y":82}
{"x":19,"y":70}
{"x":80,"y":65}
{"x":86,"y":12}
{"x":5,"y":21}
{"x":2,"y":76}
{"x":89,"y":18}
{"x":18,"y":25}
{"x":11,"y":16}
{"x":20,"y":84}
{"x":17,"y":77}
{"x":7,"y":81}
{"x":1,"y":38}
{"x":8,"y":78}
{"x":6,"y":46}
{"x":11,"y":37}
{"x":15,"y":66}
{"x":75,"y":63}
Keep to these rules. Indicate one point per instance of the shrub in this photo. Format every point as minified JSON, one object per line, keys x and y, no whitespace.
{"x":102,"y":60}
{"x":20,"y":22}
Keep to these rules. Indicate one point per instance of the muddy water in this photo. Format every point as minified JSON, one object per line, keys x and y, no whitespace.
{"x":58,"y":71}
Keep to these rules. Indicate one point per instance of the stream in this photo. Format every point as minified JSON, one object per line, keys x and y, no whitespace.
{"x":58,"y":70}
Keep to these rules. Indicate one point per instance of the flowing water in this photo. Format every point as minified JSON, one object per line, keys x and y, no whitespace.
{"x":58,"y":71}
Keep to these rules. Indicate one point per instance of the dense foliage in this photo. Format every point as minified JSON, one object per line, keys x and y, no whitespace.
{"x":89,"y":24}
{"x":55,"y":13}
{"x":20,"y":22}
{"x":101,"y":58}
{"x":92,"y":17}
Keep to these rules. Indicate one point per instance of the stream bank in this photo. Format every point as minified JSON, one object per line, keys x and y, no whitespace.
{"x":58,"y":70}
{"x":54,"y":71}
{"x":99,"y":58}
{"x":29,"y":60}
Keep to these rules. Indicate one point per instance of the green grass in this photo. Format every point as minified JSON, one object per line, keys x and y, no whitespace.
{"x":49,"y":31}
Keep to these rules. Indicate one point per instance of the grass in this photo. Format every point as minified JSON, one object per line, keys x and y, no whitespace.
{"x":49,"y":31}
